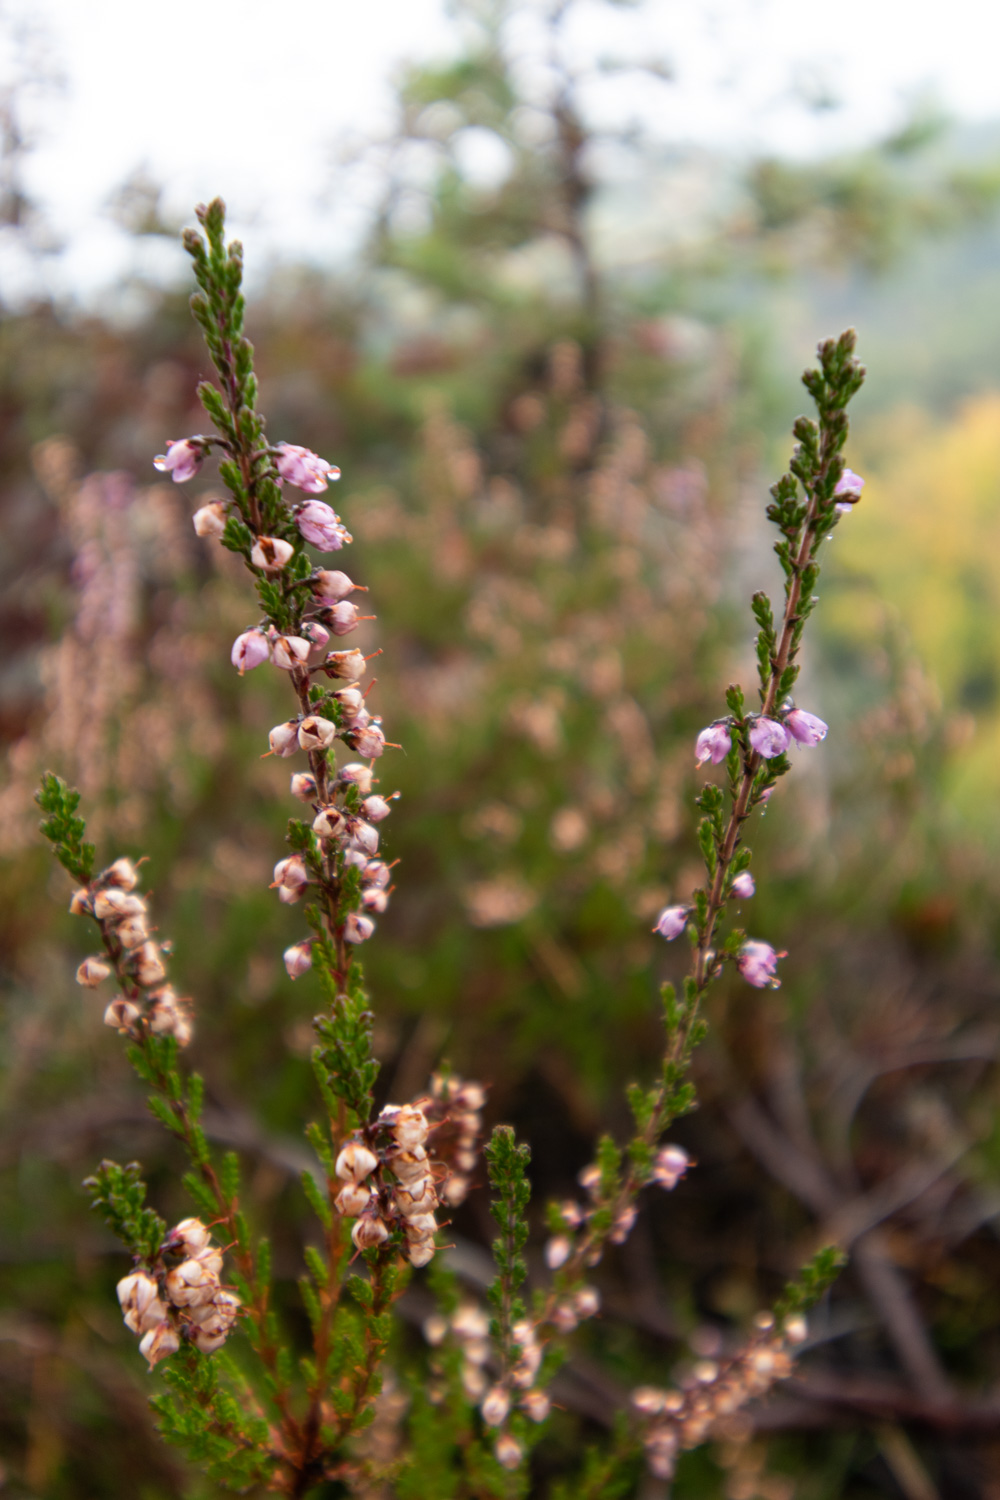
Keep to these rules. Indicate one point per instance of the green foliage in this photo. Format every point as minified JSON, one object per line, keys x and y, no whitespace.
{"x":344,"y":1053}
{"x":212,"y":1427}
{"x":508,"y":1171}
{"x":812,"y":1283}
{"x":63,"y":828}
{"x":119,"y":1194}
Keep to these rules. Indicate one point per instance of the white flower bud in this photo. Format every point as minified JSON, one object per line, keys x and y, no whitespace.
{"x":587,"y":1301}
{"x":354,"y":860}
{"x":473,"y":1381}
{"x":208,"y":1341}
{"x":420,"y":1252}
{"x":557,"y":1252}
{"x":471,"y":1097}
{"x":465,"y":1161}
{"x":290,"y":877}
{"x":352,"y":1200}
{"x":329,"y":823}
{"x":375,"y":809}
{"x":271,"y":554}
{"x":113,"y":903}
{"x":165,"y":1016}
{"x":357,"y":929}
{"x":796,"y":1329}
{"x":190,"y":1235}
{"x":509,"y":1451}
{"x":330,"y":586}
{"x":140,"y":1302}
{"x":495,"y":1407}
{"x":648,"y":1399}
{"x":218,"y":1316}
{"x":369,"y":1232}
{"x":564,"y":1317}
{"x":92,"y":972}
{"x":81,"y":902}
{"x":351,"y":700}
{"x":122,"y":873}
{"x":421,"y":1225}
{"x":455,"y":1190}
{"x":355,"y":1162}
{"x":284,"y":738}
{"x":364,"y":837}
{"x":470,"y":1322}
{"x":348,"y":664}
{"x":435,"y":1328}
{"x":410,"y":1127}
{"x":192,"y":1283}
{"x":369,"y":742}
{"x":377,"y":873}
{"x":409,"y":1166}
{"x":290,"y":651}
{"x":419,"y":1197}
{"x":124,"y":1017}
{"x":358,"y":775}
{"x":316,"y":733}
{"x":132,"y":932}
{"x":210,"y":520}
{"x":160,"y":1342}
{"x":304,"y":787}
{"x":298,"y":958}
{"x":477,"y":1351}
{"x":536,"y":1405}
{"x":374,"y":899}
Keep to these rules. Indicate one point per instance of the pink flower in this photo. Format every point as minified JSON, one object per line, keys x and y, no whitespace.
{"x":249,"y":650}
{"x":369,"y":742}
{"x":848,"y":491}
{"x":305,"y":469}
{"x":320,"y":524}
{"x":765,"y":796}
{"x":743,"y":886}
{"x":670,"y":1165}
{"x":182,"y":459}
{"x":342,"y":618}
{"x":713,"y":744}
{"x":768,"y":737}
{"x":298,"y":958}
{"x":757,"y":963}
{"x":805,"y":728}
{"x":671,"y":922}
{"x":357,"y":928}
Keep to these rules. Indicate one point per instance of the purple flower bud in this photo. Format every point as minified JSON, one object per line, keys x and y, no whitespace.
{"x":805,"y":728}
{"x":670,"y":1165}
{"x":848,"y":491}
{"x":320,"y":525}
{"x":210,"y":520}
{"x":318,"y":637}
{"x":182,"y":459}
{"x":290,"y":651}
{"x":305,"y":469}
{"x":251,"y":649}
{"x":671,"y":922}
{"x":768,"y":737}
{"x":329,"y":587}
{"x":766,"y":796}
{"x":298,"y":958}
{"x":743,"y":886}
{"x":757,"y":963}
{"x":271,"y":553}
{"x":713,"y":744}
{"x":284,"y":738}
{"x":357,"y":929}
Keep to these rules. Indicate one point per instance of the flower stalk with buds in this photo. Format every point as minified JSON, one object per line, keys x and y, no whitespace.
{"x":388,"y":1177}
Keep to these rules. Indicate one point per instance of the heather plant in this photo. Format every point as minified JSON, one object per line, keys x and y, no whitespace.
{"x":262,"y":1409}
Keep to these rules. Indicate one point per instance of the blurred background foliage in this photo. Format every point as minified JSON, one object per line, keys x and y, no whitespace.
{"x":558,"y":393}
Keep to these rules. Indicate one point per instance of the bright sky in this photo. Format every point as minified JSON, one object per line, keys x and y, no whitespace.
{"x":250,"y":98}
